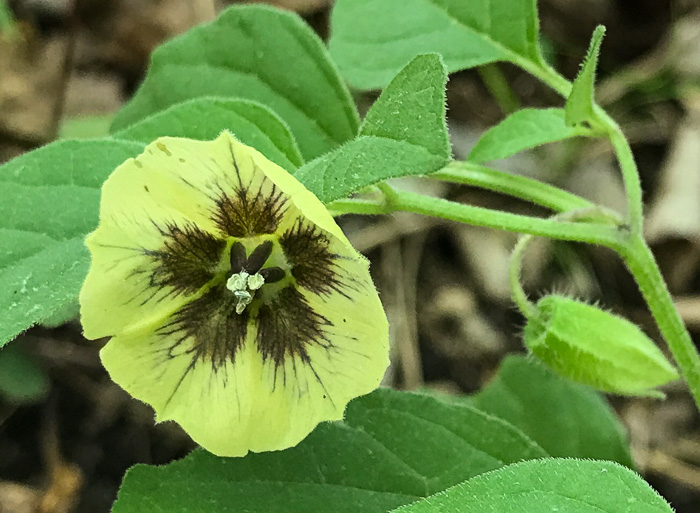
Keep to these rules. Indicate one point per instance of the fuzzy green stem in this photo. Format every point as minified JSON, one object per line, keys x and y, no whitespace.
{"x":589,"y":215}
{"x":516,"y":186}
{"x":499,"y":88}
{"x":635,"y":251}
{"x":632,"y":247}
{"x":612,"y":130}
{"x":628,"y":166}
{"x":641,"y":263}
{"x":356,"y":206}
{"x":528,"y":309}
{"x":593,"y":233}
{"x":545,"y":73}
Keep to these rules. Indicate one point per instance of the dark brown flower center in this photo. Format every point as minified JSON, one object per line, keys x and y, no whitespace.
{"x":264,"y":283}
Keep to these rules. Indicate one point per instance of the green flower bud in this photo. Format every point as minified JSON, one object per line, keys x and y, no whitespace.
{"x":596,"y":348}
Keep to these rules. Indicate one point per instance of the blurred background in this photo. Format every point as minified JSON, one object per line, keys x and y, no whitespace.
{"x":68,"y":434}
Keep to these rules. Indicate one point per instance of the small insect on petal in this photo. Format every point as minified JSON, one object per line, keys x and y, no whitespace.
{"x":236,"y":305}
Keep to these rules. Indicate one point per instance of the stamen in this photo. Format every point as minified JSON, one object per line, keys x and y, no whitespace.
{"x":258,"y":257}
{"x":237,"y":257}
{"x":256,"y":281}
{"x":243,"y":286}
{"x":237,"y":282}
{"x":244,"y":299}
{"x":272,"y":274}
{"x":247,"y":274}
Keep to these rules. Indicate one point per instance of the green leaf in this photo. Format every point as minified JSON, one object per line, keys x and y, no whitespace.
{"x":392,"y":449}
{"x":50,"y":202}
{"x":65,"y":314}
{"x":543,"y":486}
{"x":372,"y":39}
{"x":256,"y":53}
{"x":85,"y":127}
{"x":522,"y":130}
{"x":205,"y":118}
{"x":412,"y":108}
{"x":580,"y":104}
{"x":21,"y":380}
{"x":403,"y":134}
{"x":565,"y":418}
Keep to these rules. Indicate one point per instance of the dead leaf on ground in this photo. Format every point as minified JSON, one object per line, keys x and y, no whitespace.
{"x":457,"y":327}
{"x":673,"y":222}
{"x":18,"y":498}
{"x":31,"y":74}
{"x":300,"y":6}
{"x":135,"y":28}
{"x":487,"y":253}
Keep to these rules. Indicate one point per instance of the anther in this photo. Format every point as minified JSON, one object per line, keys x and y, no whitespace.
{"x":244,"y":298}
{"x":237,"y":257}
{"x":272,"y":274}
{"x":248,"y":275}
{"x":238,"y":281}
{"x":258,"y":257}
{"x":243,"y":286}
{"x":255,"y":281}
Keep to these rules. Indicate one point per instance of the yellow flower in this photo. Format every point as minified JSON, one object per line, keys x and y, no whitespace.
{"x":236,"y":305}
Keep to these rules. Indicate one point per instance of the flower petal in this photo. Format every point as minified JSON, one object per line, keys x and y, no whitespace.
{"x":212,"y":406}
{"x":144,"y":265}
{"x":314,"y":386}
{"x":257,"y":402}
{"x":215,"y":187}
{"x":237,"y":375}
{"x":306,"y":202}
{"x":163,"y":202}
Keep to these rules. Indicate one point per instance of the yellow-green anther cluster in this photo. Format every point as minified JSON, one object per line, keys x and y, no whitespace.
{"x":243,"y":286}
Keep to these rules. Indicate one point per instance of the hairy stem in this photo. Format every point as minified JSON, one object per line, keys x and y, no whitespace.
{"x":356,"y":206}
{"x":640,"y":261}
{"x":630,"y":174}
{"x":590,"y":214}
{"x":610,"y":128}
{"x":498,"y":86}
{"x":528,"y":309}
{"x":635,"y":252}
{"x":631,"y":246}
{"x":545,"y":74}
{"x":516,"y":186}
{"x":593,"y":233}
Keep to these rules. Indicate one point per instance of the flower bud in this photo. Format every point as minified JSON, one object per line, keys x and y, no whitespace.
{"x":596,"y":348}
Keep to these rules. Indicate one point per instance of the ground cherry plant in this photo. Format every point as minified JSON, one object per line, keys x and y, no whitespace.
{"x":199,"y":236}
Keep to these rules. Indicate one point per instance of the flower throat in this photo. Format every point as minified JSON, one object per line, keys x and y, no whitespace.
{"x":248,"y":276}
